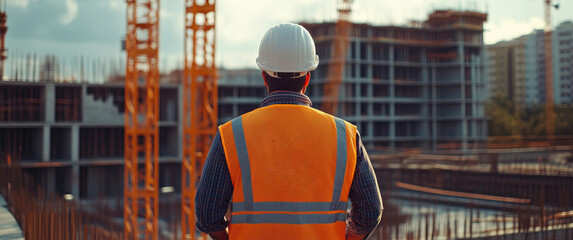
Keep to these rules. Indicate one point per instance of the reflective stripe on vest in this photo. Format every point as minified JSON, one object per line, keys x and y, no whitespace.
{"x":297,"y":212}
{"x":288,"y":218}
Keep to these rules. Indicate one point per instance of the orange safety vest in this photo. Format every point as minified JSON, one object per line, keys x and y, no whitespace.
{"x":291,"y":167}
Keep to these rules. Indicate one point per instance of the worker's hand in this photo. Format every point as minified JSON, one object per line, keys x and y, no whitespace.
{"x":220,"y":235}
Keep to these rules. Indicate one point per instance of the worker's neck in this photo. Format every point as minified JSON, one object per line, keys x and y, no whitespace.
{"x":269,"y":92}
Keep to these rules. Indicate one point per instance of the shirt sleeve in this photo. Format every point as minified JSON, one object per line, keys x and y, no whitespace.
{"x":366,"y":211}
{"x":214,"y":191}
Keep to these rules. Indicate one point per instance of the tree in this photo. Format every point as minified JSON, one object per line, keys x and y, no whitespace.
{"x":507,"y":119}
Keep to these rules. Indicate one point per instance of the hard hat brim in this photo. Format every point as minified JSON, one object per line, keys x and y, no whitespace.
{"x":309,"y":66}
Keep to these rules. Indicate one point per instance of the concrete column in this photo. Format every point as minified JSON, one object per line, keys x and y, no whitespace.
{"x":370,"y":123}
{"x":392,"y":113}
{"x":464,"y":121}
{"x":75,"y":155}
{"x":434,"y":132}
{"x":357,"y":99}
{"x":46,"y":143}
{"x":49,"y":116}
{"x":85,"y":107}
{"x":235,"y":104}
{"x":180,"y":122}
{"x":50,"y":102}
{"x":425,"y":116}
{"x":474,"y":99}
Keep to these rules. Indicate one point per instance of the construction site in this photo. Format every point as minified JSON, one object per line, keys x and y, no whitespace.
{"x":112,"y":150}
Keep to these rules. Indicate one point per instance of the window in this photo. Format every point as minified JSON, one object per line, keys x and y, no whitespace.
{"x":380,"y":90}
{"x":380,"y":109}
{"x":380,"y":129}
{"x":408,"y":109}
{"x":407,"y":129}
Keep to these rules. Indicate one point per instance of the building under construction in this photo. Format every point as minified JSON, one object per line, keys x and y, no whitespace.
{"x":70,"y":135}
{"x":415,"y":86}
{"x":421,"y":86}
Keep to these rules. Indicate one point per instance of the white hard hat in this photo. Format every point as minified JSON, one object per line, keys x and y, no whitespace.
{"x":287,"y":47}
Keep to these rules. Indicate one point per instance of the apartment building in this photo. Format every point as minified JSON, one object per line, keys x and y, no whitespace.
{"x":507,"y":70}
{"x":535,"y":68}
{"x":516,"y":68}
{"x":563,"y":63}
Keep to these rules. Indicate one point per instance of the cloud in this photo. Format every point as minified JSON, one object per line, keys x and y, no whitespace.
{"x":72,"y":12}
{"x":90,"y":27}
{"x":116,"y":5}
{"x":19,"y":3}
{"x":509,"y":28}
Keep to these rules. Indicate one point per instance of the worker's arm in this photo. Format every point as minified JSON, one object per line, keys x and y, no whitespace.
{"x":214,"y":192}
{"x":366,"y":211}
{"x":354,"y":237}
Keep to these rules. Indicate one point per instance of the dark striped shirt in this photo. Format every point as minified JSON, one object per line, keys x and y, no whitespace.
{"x":216,"y":188}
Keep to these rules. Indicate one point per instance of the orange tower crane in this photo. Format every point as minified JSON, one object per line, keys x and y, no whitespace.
{"x":199,"y":102}
{"x":3,"y":30}
{"x":549,"y":108}
{"x":141,"y":200}
{"x":338,"y":60}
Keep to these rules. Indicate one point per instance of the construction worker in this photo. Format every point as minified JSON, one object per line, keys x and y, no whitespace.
{"x":286,"y":170}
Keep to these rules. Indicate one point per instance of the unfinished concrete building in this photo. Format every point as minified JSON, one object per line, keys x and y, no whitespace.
{"x":240,"y":91}
{"x":71,"y":136}
{"x":420,"y":86}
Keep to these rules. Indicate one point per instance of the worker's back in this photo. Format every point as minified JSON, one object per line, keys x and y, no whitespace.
{"x":292,"y":167}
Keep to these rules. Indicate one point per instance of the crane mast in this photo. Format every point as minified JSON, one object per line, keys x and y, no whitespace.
{"x":335,"y":72}
{"x":141,"y":193}
{"x":199,"y":102}
{"x":549,"y":102}
{"x":3,"y":30}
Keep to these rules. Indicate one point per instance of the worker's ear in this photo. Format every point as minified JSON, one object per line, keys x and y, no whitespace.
{"x":265,"y":79}
{"x":306,"y":82}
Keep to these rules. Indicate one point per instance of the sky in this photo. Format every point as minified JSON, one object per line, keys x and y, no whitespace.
{"x":96,"y":27}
